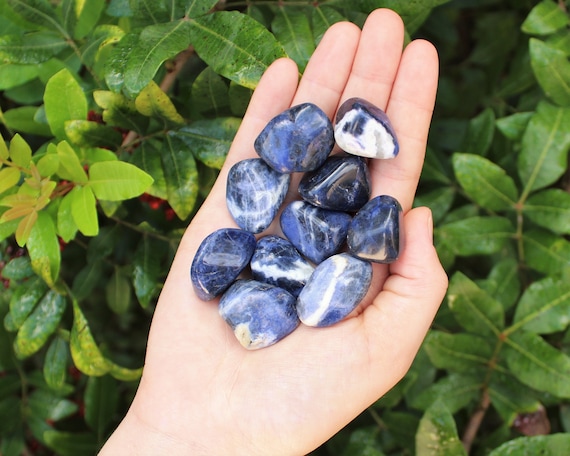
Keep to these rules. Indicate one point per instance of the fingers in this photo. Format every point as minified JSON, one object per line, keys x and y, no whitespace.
{"x":398,"y":319}
{"x":410,"y":109}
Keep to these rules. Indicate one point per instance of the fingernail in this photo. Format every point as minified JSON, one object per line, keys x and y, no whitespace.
{"x":430,"y":226}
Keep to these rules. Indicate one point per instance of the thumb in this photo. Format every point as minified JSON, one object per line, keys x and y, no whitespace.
{"x":403,"y":311}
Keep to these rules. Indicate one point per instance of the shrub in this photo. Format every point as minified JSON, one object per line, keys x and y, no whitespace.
{"x":116,"y":118}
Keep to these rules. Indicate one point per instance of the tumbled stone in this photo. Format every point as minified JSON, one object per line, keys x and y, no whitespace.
{"x":221,"y":257}
{"x":317,"y":233}
{"x":254,"y":194}
{"x":259,"y":314}
{"x":365,"y":130}
{"x":297,"y":140}
{"x":277,"y":262}
{"x":334,"y":290}
{"x":342,"y":183}
{"x":375,"y":231}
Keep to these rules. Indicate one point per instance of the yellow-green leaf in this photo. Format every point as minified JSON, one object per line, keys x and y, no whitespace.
{"x":84,"y":210}
{"x":8,"y":178}
{"x":117,"y":180}
{"x":25,"y":227}
{"x":43,"y":248}
{"x":153,"y":102}
{"x":84,"y":351}
{"x":20,"y":151}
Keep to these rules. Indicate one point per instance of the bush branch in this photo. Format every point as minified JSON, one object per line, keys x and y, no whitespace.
{"x":475,"y":421}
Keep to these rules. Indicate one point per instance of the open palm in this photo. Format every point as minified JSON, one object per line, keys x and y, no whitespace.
{"x":201,"y":391}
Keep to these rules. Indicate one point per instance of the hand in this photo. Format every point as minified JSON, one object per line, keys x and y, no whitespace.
{"x":201,"y":391}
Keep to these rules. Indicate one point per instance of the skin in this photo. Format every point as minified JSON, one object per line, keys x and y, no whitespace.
{"x":201,"y":392}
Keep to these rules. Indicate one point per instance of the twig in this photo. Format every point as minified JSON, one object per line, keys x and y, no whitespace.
{"x":475,"y":421}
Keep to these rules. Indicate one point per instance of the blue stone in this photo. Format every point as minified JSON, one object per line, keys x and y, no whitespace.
{"x":277,"y":262}
{"x":317,"y":233}
{"x":254,"y":194}
{"x":365,"y":130}
{"x":297,"y":140}
{"x":221,"y":257}
{"x":259,"y":314}
{"x":375,"y":231}
{"x":334,"y":290}
{"x":342,"y":183}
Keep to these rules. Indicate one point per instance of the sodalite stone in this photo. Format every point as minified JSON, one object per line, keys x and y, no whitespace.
{"x":259,"y":314}
{"x":221,"y":257}
{"x":254,"y":194}
{"x":277,"y":262}
{"x":334,"y":290}
{"x":317,"y":233}
{"x":365,"y":130}
{"x":342,"y":183}
{"x":297,"y":140}
{"x":375,"y":231}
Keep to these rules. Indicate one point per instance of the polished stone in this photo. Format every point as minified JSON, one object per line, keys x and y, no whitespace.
{"x":297,"y":140}
{"x":317,"y":233}
{"x":365,"y":130}
{"x":254,"y":194}
{"x":375,"y":231}
{"x":221,"y":257}
{"x":277,"y":262}
{"x":342,"y":183}
{"x":259,"y":314}
{"x":334,"y":290}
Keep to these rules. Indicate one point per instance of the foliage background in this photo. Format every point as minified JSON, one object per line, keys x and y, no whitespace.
{"x":116,"y":117}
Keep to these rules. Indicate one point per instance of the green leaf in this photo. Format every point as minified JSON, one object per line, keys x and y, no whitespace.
{"x":544,"y":307}
{"x":19,"y":268}
{"x":119,"y":111}
{"x":485,"y":182}
{"x":116,"y":63}
{"x":101,"y":401}
{"x":155,"y":44}
{"x":146,"y":269}
{"x":477,"y":311}
{"x":547,"y":252}
{"x":322,"y":17}
{"x":125,"y":374}
{"x":195,"y":8}
{"x":4,"y":153}
{"x":476,"y":235}
{"x":84,"y":133}
{"x":544,"y":155}
{"x":20,"y":152}
{"x":31,"y":48}
{"x":437,"y":433}
{"x":552,"y":70}
{"x":9,"y":177}
{"x":455,"y":391}
{"x":117,"y":180}
{"x":64,"y":100}
{"x":71,"y":443}
{"x":537,"y":364}
{"x":48,"y":165}
{"x":461,"y":353}
{"x":147,"y":158}
{"x":86,"y":279}
{"x":292,"y":29}
{"x":210,"y":94}
{"x":514,"y":126}
{"x":153,"y":102}
{"x":23,"y":119}
{"x":24,"y":299}
{"x":84,"y":352}
{"x":38,"y":12}
{"x":66,"y":226}
{"x":251,"y":46}
{"x":181,"y":176}
{"x":550,"y":209}
{"x":87,"y":15}
{"x":545,"y":18}
{"x":84,"y":210}
{"x":544,"y":445}
{"x":70,"y":167}
{"x":12,"y":76}
{"x":480,"y":133}
{"x":363,"y":441}
{"x":118,"y":292}
{"x":409,"y":7}
{"x":439,"y":201}
{"x":43,"y":248}
{"x":55,"y":363}
{"x":40,"y":325}
{"x":503,"y":282}
{"x":510,"y":397}
{"x":210,"y":140}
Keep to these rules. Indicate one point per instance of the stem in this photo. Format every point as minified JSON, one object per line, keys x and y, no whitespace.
{"x":377,"y":419}
{"x":475,"y":421}
{"x":133,"y":227}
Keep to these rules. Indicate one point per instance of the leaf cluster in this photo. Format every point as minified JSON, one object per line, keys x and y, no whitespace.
{"x":115,"y":119}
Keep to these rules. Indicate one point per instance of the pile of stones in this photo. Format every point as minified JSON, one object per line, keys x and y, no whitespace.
{"x":320,"y":270}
